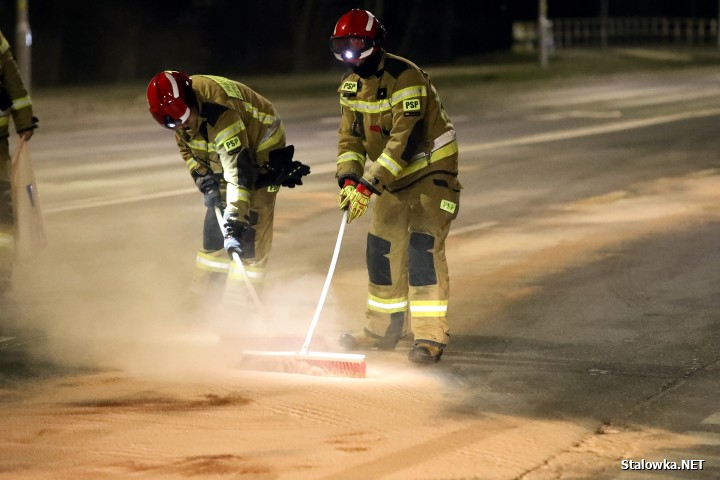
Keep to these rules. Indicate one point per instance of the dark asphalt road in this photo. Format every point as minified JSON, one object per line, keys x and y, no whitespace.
{"x":585,"y":263}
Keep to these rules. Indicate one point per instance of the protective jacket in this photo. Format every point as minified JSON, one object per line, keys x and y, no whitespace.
{"x":397,"y":120}
{"x":238,"y":129}
{"x":14,"y":98}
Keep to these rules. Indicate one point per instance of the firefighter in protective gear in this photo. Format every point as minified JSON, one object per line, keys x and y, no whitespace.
{"x":15,"y":102}
{"x":392,"y":115}
{"x":233,"y":143}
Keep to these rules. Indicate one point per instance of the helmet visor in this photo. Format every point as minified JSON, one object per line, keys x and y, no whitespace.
{"x":170,"y":122}
{"x":350,"y":49}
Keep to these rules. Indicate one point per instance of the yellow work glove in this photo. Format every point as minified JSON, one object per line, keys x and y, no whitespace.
{"x":358,"y":201}
{"x":347,"y":189}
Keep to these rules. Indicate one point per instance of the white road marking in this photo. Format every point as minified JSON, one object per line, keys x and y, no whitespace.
{"x":119,"y":201}
{"x":705,"y":438}
{"x":472,"y":228}
{"x":621,"y":98}
{"x":588,"y":131}
{"x":713,"y":419}
{"x":642,"y":101}
{"x":577,"y":114}
{"x":464,"y":148}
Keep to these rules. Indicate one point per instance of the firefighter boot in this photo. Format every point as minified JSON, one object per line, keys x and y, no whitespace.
{"x":365,"y":340}
{"x":425,"y":351}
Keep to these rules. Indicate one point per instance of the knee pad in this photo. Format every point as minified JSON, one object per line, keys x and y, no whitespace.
{"x":378,"y":263}
{"x":248,"y":243}
{"x":6,"y":206}
{"x":212,"y":235}
{"x":249,"y":236}
{"x":421,"y":263}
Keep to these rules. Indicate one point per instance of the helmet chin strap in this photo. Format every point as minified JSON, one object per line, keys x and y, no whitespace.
{"x":370,"y":66}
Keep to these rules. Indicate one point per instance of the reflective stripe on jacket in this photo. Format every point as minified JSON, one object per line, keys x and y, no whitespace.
{"x":396,"y":120}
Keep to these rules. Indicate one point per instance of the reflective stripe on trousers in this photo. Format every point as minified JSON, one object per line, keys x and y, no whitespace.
{"x":7,"y":255}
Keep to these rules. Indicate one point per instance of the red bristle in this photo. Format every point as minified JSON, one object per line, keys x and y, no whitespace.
{"x":338,"y":368}
{"x":312,"y":363}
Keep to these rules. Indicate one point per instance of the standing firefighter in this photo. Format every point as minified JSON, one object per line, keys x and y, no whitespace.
{"x":15,"y":101}
{"x":392,"y":115}
{"x":233,"y":143}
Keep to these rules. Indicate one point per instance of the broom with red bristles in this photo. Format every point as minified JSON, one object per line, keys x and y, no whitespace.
{"x":314,"y":363}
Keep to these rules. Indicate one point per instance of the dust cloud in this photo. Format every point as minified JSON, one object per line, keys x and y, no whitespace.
{"x":90,"y":307}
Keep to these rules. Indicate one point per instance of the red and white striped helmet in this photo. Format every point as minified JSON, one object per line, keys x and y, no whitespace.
{"x":170,"y":98}
{"x":357,"y":35}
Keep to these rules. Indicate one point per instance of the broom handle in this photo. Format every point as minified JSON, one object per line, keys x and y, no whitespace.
{"x":241,"y":267}
{"x":326,"y":287}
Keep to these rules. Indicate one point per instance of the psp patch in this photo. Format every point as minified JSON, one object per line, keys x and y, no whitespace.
{"x":448,"y":206}
{"x":232,"y":144}
{"x":411,"y":107}
{"x":349,"y":87}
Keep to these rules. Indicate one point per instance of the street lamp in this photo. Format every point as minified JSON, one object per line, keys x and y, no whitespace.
{"x":23,"y":42}
{"x":543,"y":33}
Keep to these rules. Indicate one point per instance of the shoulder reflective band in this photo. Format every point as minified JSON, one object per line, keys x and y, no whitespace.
{"x":230,"y":87}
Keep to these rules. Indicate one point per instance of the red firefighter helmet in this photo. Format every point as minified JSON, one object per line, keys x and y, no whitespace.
{"x":357,"y":35}
{"x":170,"y":97}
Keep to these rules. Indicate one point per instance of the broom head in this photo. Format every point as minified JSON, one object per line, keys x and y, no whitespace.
{"x":311,"y":363}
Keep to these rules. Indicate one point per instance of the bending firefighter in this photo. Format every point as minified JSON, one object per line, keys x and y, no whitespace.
{"x":233,"y":143}
{"x":15,"y":102}
{"x":392,"y":115}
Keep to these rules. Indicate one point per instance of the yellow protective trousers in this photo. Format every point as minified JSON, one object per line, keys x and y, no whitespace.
{"x":406,"y":262}
{"x":217,"y":276}
{"x":7,"y":223}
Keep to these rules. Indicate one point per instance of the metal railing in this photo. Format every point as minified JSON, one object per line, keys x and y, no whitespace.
{"x":619,"y":31}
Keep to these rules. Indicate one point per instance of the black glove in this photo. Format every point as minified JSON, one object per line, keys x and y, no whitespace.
{"x":281,"y":169}
{"x":234,"y":229}
{"x":232,"y":245}
{"x":5,"y":100}
{"x":210,"y":188}
{"x":292,"y":174}
{"x":6,"y":206}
